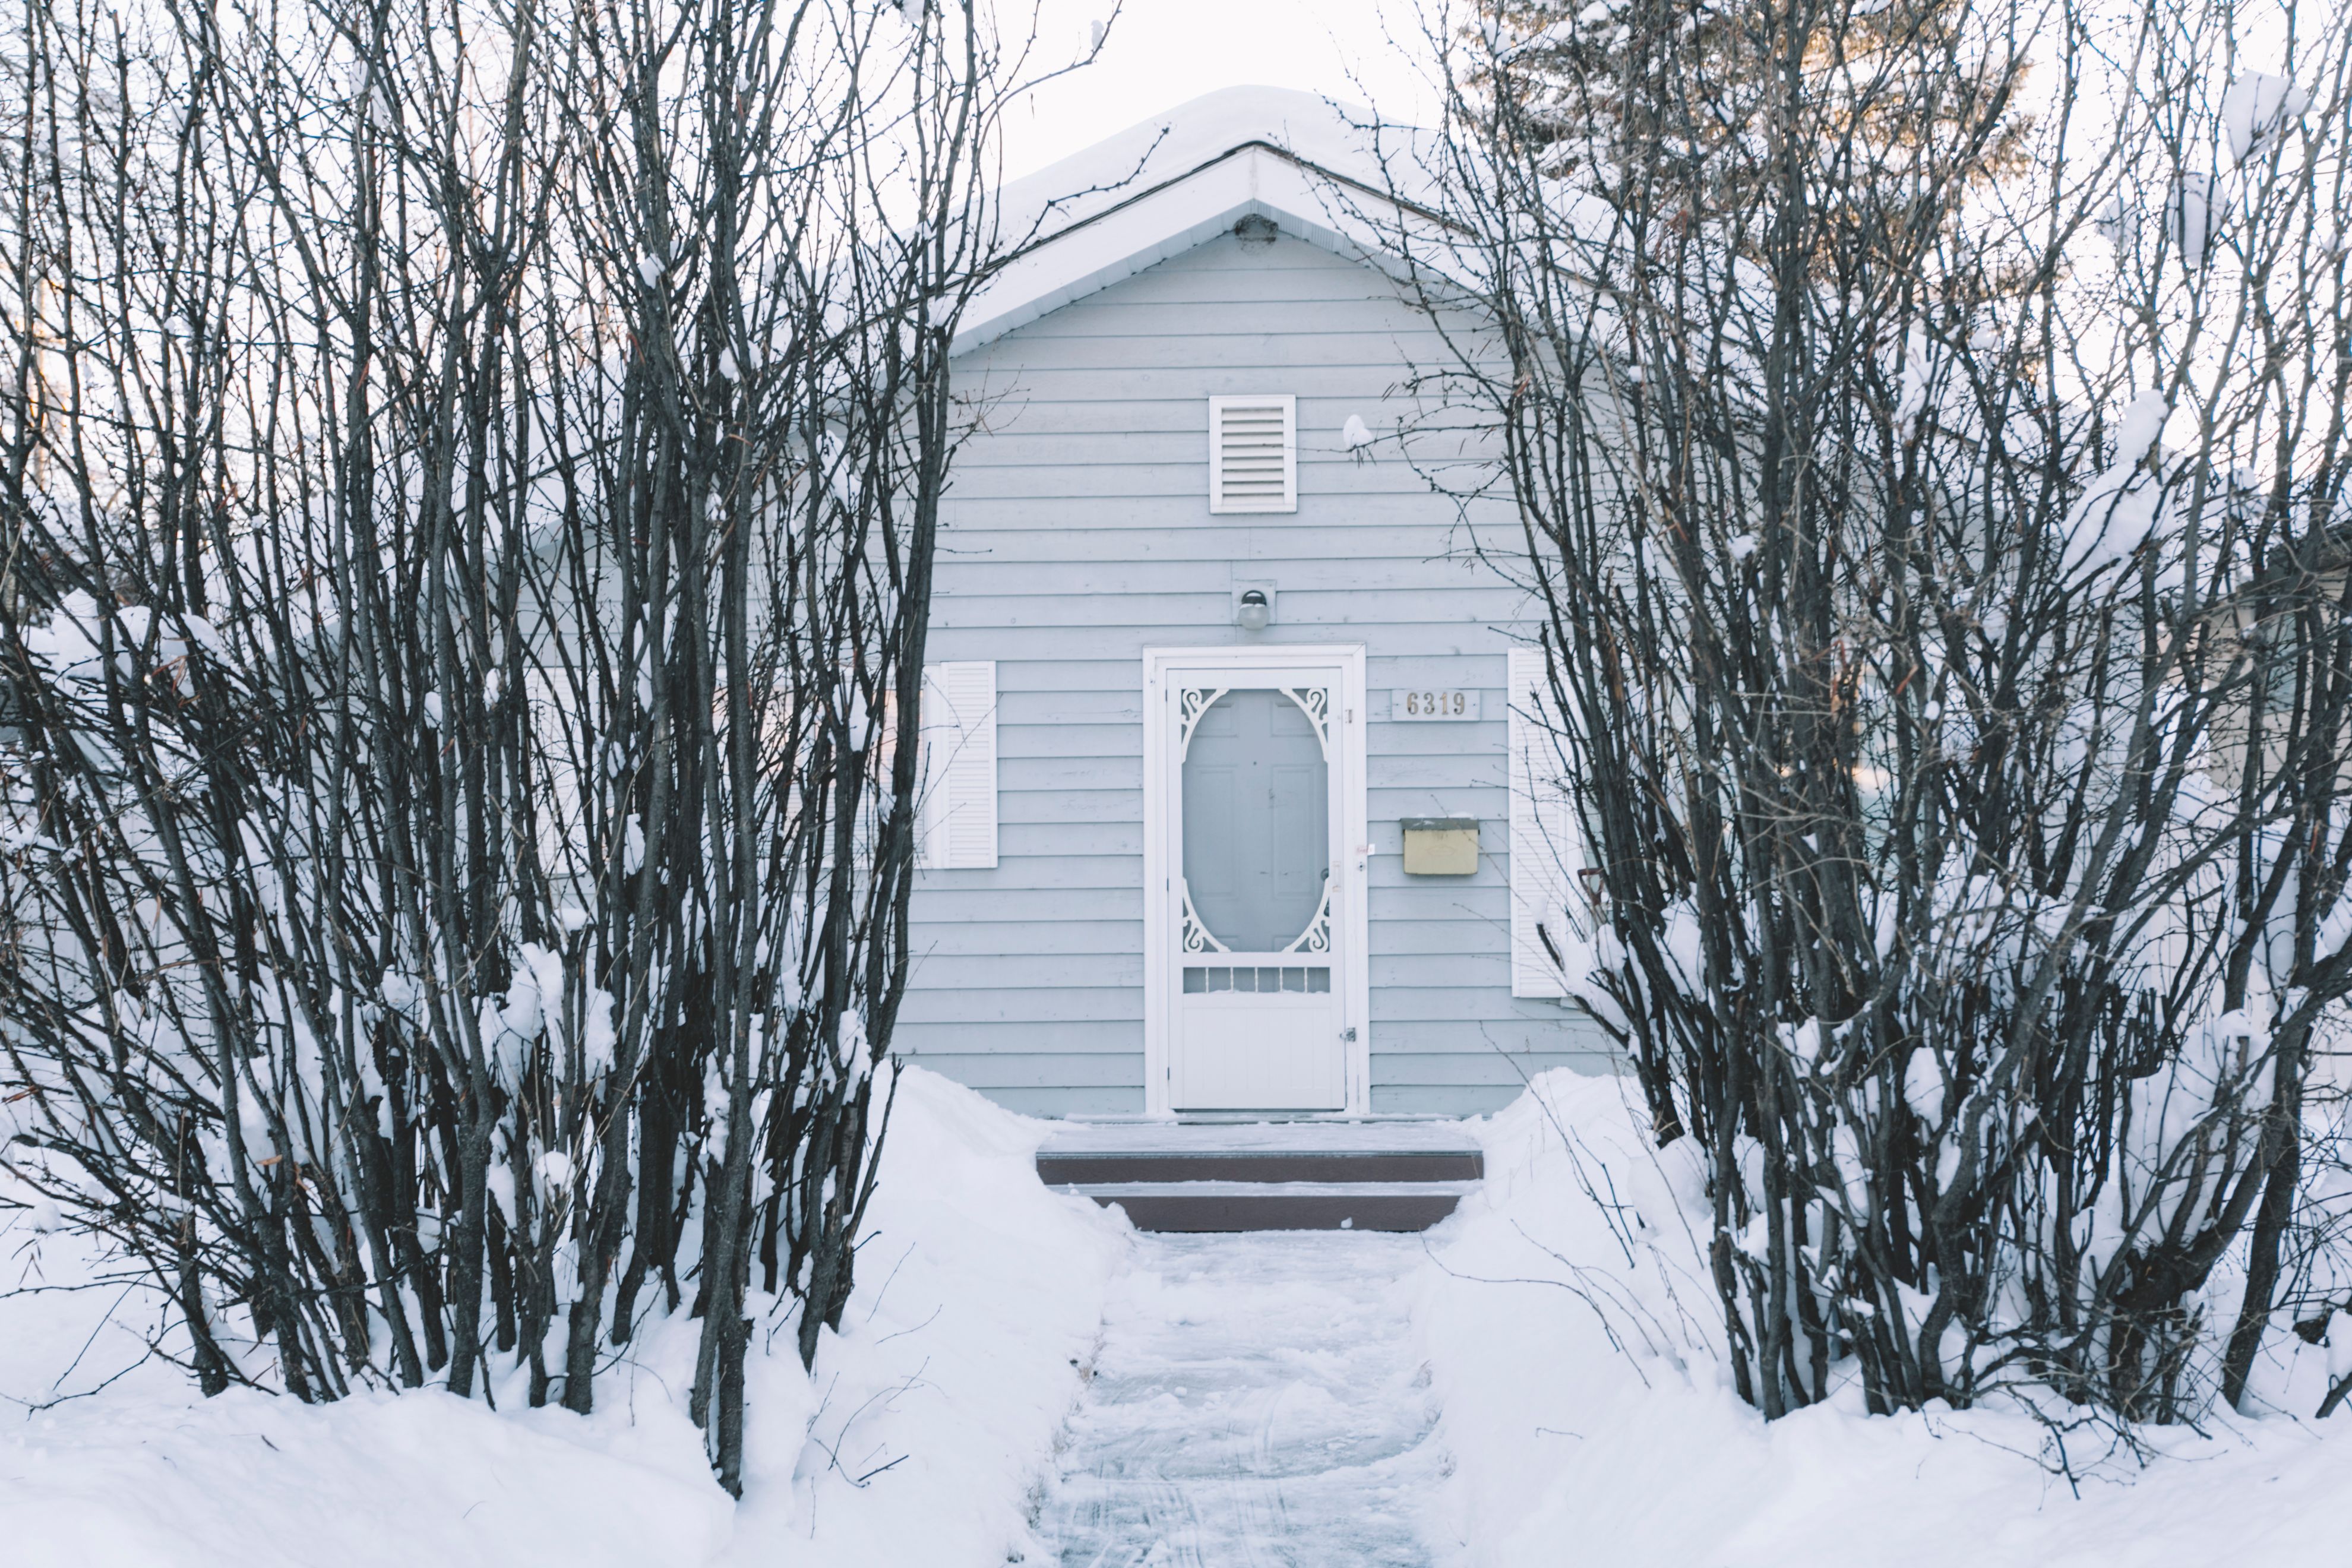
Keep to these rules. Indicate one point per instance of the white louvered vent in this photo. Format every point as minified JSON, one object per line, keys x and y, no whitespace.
{"x":1253,"y":454}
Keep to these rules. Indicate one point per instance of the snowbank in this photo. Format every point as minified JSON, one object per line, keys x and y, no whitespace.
{"x":931,"y":1417}
{"x":1565,"y":1450}
{"x":931,"y":1426}
{"x":934,"y":1413}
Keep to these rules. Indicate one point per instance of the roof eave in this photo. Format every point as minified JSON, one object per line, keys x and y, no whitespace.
{"x":1334,"y":212}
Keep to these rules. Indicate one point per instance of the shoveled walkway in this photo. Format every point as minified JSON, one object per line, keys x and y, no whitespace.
{"x":1256,"y":1402}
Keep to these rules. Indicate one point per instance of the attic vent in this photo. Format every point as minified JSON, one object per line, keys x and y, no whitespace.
{"x":1253,"y":454}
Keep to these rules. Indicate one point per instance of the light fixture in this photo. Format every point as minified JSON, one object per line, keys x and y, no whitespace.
{"x":1252,"y":612}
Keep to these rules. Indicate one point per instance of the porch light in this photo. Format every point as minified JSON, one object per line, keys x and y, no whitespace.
{"x":1252,"y":612}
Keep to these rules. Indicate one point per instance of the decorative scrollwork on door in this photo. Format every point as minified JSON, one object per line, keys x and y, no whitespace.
{"x":1198,"y":937}
{"x":1317,"y":936}
{"x":1192,"y":702}
{"x":1314,"y":701}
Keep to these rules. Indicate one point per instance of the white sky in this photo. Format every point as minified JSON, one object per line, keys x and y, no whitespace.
{"x":1161,"y":52}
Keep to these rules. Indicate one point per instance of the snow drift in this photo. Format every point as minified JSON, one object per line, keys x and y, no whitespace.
{"x":930,"y":1417}
{"x":1569,"y":1326}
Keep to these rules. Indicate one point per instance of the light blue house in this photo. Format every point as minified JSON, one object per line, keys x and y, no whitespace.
{"x":1223,"y":703}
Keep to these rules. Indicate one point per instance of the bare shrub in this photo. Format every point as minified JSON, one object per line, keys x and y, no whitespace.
{"x":470,"y":487}
{"x":1927,"y":423}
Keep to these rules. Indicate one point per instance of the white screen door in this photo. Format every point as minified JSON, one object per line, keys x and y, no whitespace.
{"x":1256,"y":991}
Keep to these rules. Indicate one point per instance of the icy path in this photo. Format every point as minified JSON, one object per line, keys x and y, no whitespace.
{"x":1256,"y":1402}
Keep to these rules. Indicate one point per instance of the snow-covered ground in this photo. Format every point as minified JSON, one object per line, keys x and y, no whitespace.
{"x":1565,"y":1450}
{"x":1258,"y":1399}
{"x":931,"y":1419}
{"x":1022,"y":1378}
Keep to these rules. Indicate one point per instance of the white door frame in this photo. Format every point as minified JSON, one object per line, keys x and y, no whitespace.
{"x":1353,"y":984}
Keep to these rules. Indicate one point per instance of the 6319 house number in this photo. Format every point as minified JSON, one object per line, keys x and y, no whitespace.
{"x":1427,"y":705}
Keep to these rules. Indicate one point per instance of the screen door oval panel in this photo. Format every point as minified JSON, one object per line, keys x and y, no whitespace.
{"x":1258,"y":825}
{"x":1256,"y":1021}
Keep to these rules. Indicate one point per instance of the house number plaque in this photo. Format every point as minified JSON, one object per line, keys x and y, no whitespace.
{"x":1424,"y":705}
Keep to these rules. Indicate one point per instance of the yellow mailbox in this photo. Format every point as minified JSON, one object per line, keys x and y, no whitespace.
{"x":1441,"y":846}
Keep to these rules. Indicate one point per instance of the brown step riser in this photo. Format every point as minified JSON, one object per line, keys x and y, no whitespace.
{"x":1089,"y":1170}
{"x":1272,"y":1211}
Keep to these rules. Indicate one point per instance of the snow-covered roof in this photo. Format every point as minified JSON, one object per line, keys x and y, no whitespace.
{"x":1169,"y":182}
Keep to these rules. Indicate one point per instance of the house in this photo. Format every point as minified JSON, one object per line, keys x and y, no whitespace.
{"x":1223,"y":704}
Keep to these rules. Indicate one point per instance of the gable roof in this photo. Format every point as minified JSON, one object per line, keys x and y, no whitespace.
{"x":1179,"y":179}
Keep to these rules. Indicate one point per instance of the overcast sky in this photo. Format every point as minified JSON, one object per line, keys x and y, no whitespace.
{"x":1162,"y":52}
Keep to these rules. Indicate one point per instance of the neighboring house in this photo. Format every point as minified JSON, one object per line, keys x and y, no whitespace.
{"x":1222,"y":710}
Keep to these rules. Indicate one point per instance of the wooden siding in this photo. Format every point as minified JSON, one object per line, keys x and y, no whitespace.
{"x":1078,"y":535}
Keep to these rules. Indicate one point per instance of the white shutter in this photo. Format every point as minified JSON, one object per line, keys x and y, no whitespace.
{"x":1253,"y":454}
{"x":1543,"y":830}
{"x":956,"y":816}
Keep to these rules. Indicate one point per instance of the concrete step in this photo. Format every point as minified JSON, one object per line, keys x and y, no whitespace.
{"x":1267,"y":1175}
{"x":1239,"y":1205}
{"x":1204,"y":1163}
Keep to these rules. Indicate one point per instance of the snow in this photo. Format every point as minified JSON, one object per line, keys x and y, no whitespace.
{"x":2251,"y":1024}
{"x":2121,"y":507}
{"x":1020,"y":1377}
{"x":1213,"y":1188}
{"x":130,"y":1466}
{"x":1373,"y":1134}
{"x":2193,"y":217}
{"x":1648,"y":1459}
{"x":1923,"y":1087}
{"x":68,"y":645}
{"x":2113,"y":224}
{"x":1172,"y":182}
{"x":378,"y":1479}
{"x":1324,"y":131}
{"x":1257,"y":1398}
{"x":980,"y":1294}
{"x":2113,"y":519}
{"x":1919,"y":378}
{"x":2258,"y":107}
{"x":930,"y":1421}
{"x":2139,"y":425}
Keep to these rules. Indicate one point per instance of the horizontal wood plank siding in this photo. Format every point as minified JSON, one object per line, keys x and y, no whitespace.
{"x":1078,"y":534}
